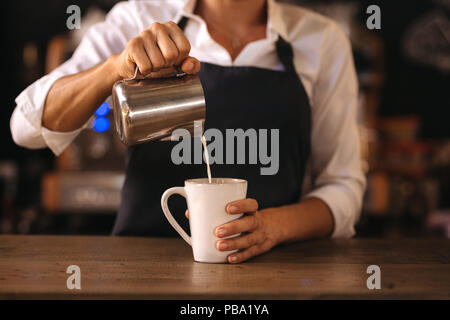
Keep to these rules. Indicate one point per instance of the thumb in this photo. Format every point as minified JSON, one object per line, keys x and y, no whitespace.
{"x":190,"y":65}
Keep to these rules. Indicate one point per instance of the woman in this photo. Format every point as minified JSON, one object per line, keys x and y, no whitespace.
{"x":262,"y":65}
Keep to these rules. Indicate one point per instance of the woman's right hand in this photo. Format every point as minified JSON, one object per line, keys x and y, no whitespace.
{"x":159,"y":50}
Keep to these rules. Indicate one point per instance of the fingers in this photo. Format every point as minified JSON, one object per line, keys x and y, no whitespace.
{"x":179,"y":39}
{"x":139,"y":56}
{"x":163,"y":73}
{"x":244,"y":224}
{"x":152,"y":50}
{"x":186,"y":213}
{"x":242,"y":206}
{"x":160,"y":50}
{"x":241,"y":242}
{"x":165,"y":44}
{"x":190,"y":69}
{"x":250,"y":252}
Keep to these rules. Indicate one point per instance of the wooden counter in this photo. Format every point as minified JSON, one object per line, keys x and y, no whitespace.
{"x":163,"y":268}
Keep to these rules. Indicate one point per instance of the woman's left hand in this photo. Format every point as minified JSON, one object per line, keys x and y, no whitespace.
{"x":261,"y":230}
{"x":258,"y":228}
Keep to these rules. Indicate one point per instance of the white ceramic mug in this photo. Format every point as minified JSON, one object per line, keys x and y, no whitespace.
{"x":207,"y":210}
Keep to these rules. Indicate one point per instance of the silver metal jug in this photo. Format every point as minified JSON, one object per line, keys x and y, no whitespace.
{"x":151,"y":109}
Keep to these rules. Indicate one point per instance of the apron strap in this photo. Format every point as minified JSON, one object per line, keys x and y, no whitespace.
{"x":182,"y":22}
{"x":284,"y":49}
{"x":285,"y":54}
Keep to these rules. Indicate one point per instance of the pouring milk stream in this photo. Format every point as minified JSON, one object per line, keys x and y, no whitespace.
{"x":206,"y":157}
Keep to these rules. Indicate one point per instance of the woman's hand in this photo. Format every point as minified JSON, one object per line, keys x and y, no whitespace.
{"x":159,"y":50}
{"x":259,"y":231}
{"x":262,"y":230}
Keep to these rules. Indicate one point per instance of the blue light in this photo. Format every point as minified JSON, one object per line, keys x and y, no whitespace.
{"x":101,"y":124}
{"x":103,"y":110}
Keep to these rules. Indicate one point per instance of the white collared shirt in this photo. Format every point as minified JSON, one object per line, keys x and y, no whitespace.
{"x":323,"y":61}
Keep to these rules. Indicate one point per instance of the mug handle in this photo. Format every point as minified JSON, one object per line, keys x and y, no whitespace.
{"x":166,"y":195}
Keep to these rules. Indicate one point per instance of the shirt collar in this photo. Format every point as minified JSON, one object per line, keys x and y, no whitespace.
{"x":189,"y":6}
{"x":275,"y":25}
{"x":275,"y":20}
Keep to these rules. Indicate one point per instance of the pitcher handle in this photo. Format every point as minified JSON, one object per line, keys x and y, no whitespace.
{"x":177,"y":74}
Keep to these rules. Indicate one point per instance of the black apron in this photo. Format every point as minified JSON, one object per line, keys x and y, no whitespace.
{"x":236,"y":97}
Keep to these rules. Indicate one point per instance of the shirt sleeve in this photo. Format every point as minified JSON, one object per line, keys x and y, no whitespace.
{"x":337,"y":174}
{"x":101,"y":41}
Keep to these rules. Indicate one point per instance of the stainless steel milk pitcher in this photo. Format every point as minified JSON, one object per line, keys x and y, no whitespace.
{"x":151,"y":109}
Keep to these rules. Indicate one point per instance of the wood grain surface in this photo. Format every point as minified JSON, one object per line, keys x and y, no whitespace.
{"x":163,"y":268}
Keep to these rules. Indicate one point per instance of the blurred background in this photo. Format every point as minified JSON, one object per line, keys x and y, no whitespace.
{"x":403,"y":70}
